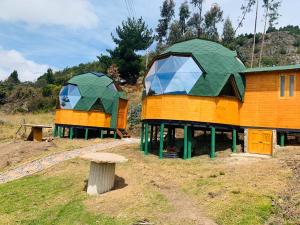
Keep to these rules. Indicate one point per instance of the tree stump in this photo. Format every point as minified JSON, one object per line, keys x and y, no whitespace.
{"x":102,"y":171}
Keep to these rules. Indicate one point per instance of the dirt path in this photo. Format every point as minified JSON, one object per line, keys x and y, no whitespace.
{"x":186,"y":211}
{"x":46,"y":162}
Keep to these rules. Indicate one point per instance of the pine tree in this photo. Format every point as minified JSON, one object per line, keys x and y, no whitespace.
{"x":49,"y":76}
{"x":13,"y":78}
{"x":228,"y":32}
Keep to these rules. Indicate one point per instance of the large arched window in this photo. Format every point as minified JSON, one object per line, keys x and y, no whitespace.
{"x":172,"y":75}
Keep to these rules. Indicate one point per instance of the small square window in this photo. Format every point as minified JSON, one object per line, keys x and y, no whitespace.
{"x":292,"y":85}
{"x":282,"y":86}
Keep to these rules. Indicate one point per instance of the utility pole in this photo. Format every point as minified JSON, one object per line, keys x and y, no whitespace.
{"x":253,"y":48}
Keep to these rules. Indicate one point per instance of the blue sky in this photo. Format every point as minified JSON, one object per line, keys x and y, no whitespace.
{"x":38,"y":34}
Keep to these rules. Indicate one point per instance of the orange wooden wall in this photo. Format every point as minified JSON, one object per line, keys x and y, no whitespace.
{"x":263,"y":106}
{"x":92,"y":118}
{"x":223,"y":110}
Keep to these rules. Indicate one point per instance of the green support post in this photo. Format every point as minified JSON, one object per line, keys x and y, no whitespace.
{"x":213,"y":143}
{"x":86,"y":136}
{"x":146,"y":138}
{"x":189,"y":142}
{"x":71,"y":132}
{"x":60,"y":132}
{"x":234,"y":140}
{"x":161,"y":140}
{"x":55,"y":131}
{"x":142,"y":137}
{"x":101,"y":133}
{"x":185,"y":147}
{"x":282,"y":136}
{"x":115,"y":134}
{"x":151,"y":137}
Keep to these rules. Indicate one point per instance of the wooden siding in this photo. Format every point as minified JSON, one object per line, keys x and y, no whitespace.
{"x":122,"y":114}
{"x":223,"y":110}
{"x":263,"y":106}
{"x":82,"y":118}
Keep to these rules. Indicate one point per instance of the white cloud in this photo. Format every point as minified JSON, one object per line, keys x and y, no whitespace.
{"x":13,"y":60}
{"x":70,"y":13}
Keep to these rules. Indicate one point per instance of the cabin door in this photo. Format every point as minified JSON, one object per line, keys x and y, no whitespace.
{"x":260,"y":141}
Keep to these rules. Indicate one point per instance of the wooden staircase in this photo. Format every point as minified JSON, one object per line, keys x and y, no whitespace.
{"x":122,"y":134}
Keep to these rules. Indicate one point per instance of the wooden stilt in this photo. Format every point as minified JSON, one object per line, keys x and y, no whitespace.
{"x":146,"y":138}
{"x":86,"y":136}
{"x":161,"y":141}
{"x":189,"y":142}
{"x":234,"y":140}
{"x":213,"y":143}
{"x":142,"y":137}
{"x":71,"y":133}
{"x":185,"y":146}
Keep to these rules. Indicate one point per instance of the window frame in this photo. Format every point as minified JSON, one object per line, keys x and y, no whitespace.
{"x":287,"y":86}
{"x":294,"y":85}
{"x":280,"y":86}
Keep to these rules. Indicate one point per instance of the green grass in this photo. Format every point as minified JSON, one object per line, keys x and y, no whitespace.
{"x":247,"y":210}
{"x":40,"y":200}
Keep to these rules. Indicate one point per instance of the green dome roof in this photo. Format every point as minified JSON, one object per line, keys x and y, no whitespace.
{"x":218,"y":63}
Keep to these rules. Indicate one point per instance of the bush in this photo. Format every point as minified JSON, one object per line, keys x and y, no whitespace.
{"x":297,"y":43}
{"x":270,"y":61}
{"x":282,"y":51}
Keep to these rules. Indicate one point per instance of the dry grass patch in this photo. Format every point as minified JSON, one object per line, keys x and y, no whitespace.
{"x":9,"y":123}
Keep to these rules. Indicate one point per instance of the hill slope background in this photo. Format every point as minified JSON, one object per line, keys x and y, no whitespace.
{"x":281,"y":47}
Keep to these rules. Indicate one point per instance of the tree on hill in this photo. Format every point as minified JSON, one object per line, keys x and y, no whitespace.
{"x":49,"y":76}
{"x":132,"y":36}
{"x":167,"y":12}
{"x":211,"y":19}
{"x":228,"y":33}
{"x":197,"y":18}
{"x":184,"y":14}
{"x":13,"y":78}
{"x":271,"y":14}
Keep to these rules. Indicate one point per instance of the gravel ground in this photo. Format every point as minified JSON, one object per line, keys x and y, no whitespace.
{"x":44,"y":163}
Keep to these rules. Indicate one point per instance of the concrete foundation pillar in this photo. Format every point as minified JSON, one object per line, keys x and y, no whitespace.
{"x":101,"y":178}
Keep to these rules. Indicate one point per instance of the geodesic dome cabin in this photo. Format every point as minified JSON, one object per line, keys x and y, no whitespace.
{"x":91,"y":101}
{"x":193,"y":85}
